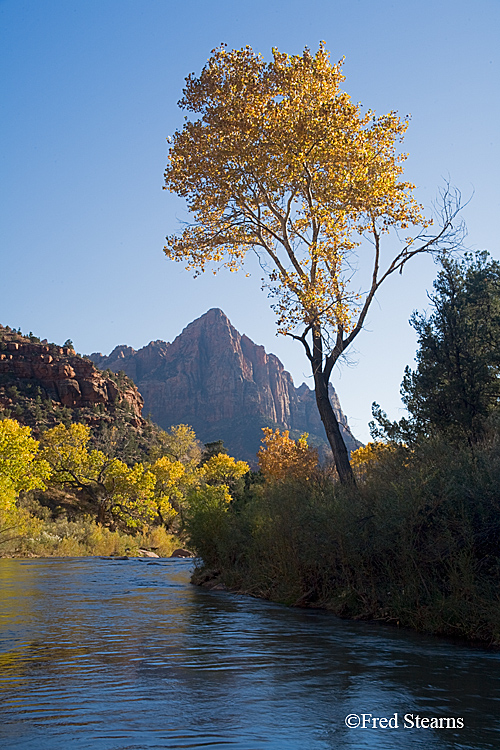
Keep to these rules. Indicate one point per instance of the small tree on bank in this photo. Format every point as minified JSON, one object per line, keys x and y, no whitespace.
{"x":280,"y":160}
{"x":281,"y":457}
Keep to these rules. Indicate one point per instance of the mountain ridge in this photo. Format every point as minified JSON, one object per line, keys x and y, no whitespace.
{"x":218,"y":380}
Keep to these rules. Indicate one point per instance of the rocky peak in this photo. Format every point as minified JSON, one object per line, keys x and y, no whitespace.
{"x":222,"y":384}
{"x":60,"y":376}
{"x":135,"y":364}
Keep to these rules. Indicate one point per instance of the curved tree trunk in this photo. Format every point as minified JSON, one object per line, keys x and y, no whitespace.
{"x":332,"y":430}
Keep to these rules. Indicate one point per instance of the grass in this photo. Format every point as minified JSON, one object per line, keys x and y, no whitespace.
{"x":83,"y":538}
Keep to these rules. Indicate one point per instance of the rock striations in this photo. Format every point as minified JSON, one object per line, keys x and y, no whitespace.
{"x":36,"y":372}
{"x":222,"y":384}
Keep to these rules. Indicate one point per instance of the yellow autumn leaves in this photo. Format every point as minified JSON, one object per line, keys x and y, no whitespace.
{"x":131,"y":497}
{"x":278,"y":158}
{"x":21,"y":469}
{"x":145,"y":494}
{"x":281,"y":457}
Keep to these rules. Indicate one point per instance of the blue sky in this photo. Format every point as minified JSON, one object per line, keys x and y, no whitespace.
{"x":89,"y":94}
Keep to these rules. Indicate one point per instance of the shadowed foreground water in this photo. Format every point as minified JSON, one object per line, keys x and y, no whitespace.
{"x":127,"y":655}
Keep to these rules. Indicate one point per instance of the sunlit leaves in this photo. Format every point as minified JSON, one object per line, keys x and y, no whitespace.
{"x":21,"y":469}
{"x":173,"y":480}
{"x":223,"y":469}
{"x":209,"y":497}
{"x":131,"y":493}
{"x":281,"y":457}
{"x":277,"y":158}
{"x":65,"y":449}
{"x":20,"y":465}
{"x":179,"y":444}
{"x":367,"y":456}
{"x":132,"y":496}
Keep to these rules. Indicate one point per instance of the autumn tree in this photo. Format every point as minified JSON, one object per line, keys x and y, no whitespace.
{"x":21,"y":470}
{"x":178,"y":444}
{"x":209,"y":503}
{"x":281,"y":457}
{"x":174,"y":479}
{"x":275,"y":157}
{"x":223,"y":469}
{"x":216,"y":480}
{"x":21,"y":466}
{"x":132,"y":497}
{"x":363,"y":459}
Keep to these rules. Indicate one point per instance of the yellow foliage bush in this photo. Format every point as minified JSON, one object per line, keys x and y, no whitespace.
{"x":364,"y":458}
{"x":281,"y":457}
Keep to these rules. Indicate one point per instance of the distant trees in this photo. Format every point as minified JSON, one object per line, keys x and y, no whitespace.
{"x":148,"y":492}
{"x":128,"y":496}
{"x":179,"y":444}
{"x":157,"y":491}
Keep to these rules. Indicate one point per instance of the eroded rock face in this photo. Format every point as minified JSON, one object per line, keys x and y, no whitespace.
{"x":135,"y":364}
{"x":61,"y":375}
{"x":222,"y":384}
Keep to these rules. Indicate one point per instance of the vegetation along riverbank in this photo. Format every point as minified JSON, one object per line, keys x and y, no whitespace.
{"x":415,"y":540}
{"x":275,"y":157}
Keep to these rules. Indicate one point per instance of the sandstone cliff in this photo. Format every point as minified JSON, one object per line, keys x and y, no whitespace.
{"x":39,"y":380}
{"x":222,"y":384}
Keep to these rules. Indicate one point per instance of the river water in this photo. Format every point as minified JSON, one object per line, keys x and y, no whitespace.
{"x":103,"y":654}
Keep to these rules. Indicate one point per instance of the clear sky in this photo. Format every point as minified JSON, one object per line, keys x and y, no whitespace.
{"x":89,"y":94}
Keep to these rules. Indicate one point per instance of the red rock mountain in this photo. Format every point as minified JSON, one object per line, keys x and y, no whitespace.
{"x":223,"y":385}
{"x":34,"y":372}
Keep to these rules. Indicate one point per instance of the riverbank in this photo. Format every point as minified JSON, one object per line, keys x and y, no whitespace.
{"x":214,"y":581}
{"x":415,"y":544}
{"x":82,"y":537}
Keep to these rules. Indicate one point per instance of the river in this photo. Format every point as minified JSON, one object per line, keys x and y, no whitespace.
{"x":104,"y":654}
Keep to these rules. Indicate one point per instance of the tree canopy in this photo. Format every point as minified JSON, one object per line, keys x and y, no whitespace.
{"x":281,"y":457}
{"x":456,"y":384}
{"x":278,"y":159}
{"x":129,"y":496}
{"x":21,"y":467}
{"x":21,"y":470}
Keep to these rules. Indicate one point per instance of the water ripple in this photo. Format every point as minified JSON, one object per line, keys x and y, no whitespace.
{"x":122,"y":655}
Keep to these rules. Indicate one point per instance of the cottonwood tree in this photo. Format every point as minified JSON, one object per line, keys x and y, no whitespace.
{"x":21,"y":467}
{"x":278,"y":159}
{"x":121,"y":495}
{"x":281,"y":457}
{"x":21,"y":470}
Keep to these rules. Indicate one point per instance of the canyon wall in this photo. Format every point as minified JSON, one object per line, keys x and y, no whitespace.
{"x":222,"y":384}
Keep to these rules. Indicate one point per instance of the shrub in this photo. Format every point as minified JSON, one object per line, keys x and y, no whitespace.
{"x":416,"y":542}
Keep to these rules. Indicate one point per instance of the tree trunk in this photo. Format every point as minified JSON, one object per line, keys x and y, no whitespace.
{"x":332,"y":430}
{"x":101,"y":514}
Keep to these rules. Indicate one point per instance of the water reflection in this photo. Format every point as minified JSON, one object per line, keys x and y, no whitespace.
{"x":115,"y":655}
